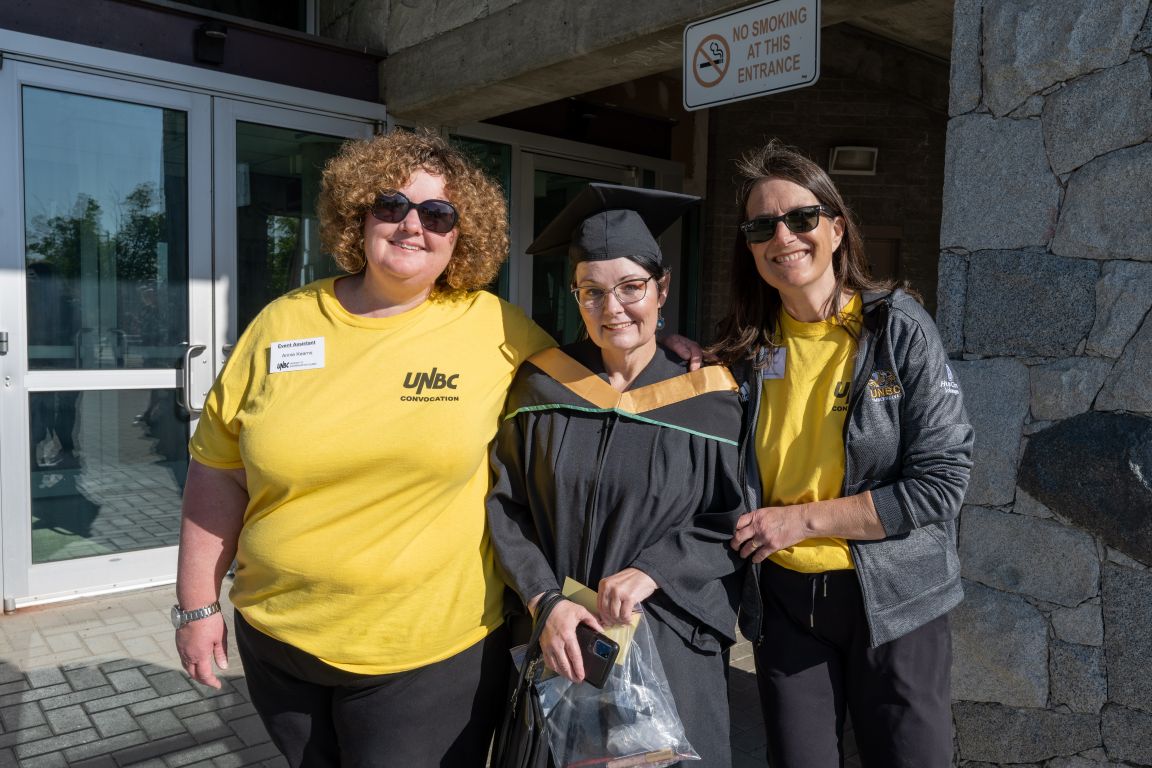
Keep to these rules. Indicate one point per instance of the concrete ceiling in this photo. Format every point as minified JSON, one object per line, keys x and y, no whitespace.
{"x":494,"y":73}
{"x":924,"y":25}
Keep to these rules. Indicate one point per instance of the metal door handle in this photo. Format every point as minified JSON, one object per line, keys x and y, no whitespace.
{"x":183,"y":395}
{"x":120,"y":346}
{"x":76,"y":344}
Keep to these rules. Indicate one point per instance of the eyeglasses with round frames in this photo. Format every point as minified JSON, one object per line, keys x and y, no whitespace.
{"x":626,"y":292}
{"x":438,"y":216}
{"x":763,"y":228}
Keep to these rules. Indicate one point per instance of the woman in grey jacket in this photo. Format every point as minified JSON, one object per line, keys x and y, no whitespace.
{"x":856,"y":453}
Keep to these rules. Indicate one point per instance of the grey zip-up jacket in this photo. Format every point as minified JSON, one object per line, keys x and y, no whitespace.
{"x":907,"y":439}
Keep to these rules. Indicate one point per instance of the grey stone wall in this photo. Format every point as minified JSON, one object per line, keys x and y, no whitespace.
{"x":1045,"y":287}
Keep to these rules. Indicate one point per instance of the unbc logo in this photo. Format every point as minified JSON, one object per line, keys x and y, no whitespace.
{"x":883,"y":385}
{"x":419,"y":380}
{"x":281,"y":365}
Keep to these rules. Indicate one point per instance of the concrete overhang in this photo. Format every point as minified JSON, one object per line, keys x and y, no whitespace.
{"x":538,"y":51}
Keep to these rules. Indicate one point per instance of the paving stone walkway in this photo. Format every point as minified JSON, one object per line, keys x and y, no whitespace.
{"x":96,"y":683}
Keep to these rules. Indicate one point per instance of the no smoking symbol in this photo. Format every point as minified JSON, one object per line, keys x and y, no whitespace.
{"x":710,"y":62}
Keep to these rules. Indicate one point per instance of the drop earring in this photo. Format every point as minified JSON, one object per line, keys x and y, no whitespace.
{"x":659,"y":319}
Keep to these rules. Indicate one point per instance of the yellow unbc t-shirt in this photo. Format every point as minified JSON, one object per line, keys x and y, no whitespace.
{"x":800,"y":428}
{"x":366,"y":453}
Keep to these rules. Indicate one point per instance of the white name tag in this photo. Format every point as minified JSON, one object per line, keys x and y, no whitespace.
{"x":776,"y":369}
{"x":296,"y":355}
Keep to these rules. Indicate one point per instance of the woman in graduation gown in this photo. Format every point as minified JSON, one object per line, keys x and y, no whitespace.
{"x":618,"y":468}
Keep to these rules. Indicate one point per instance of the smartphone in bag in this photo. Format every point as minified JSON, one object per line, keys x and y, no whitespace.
{"x":598,"y":652}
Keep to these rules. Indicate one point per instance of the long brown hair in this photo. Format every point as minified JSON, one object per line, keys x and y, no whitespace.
{"x":756,"y":304}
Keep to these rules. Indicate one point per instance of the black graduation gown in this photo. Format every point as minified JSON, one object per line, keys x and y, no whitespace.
{"x":585,"y":488}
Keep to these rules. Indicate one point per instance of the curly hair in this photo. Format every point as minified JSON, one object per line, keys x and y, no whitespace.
{"x":756,"y":304}
{"x":364,"y":168}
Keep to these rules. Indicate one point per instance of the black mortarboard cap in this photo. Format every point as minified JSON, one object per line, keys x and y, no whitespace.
{"x":607,"y":221}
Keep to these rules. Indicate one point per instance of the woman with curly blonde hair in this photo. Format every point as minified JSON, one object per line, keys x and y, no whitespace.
{"x":341,"y":460}
{"x":356,"y":176}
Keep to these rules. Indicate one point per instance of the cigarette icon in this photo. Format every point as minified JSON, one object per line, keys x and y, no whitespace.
{"x":717,"y":59}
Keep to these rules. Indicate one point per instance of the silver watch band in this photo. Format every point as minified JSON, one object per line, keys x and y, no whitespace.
{"x":180,"y":617}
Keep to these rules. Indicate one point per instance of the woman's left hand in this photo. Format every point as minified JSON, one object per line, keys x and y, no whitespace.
{"x":620,"y":593}
{"x":769,"y":529}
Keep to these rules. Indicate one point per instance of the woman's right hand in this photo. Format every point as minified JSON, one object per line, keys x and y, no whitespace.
{"x":558,"y":640}
{"x":201,"y":643}
{"x":210,"y":523}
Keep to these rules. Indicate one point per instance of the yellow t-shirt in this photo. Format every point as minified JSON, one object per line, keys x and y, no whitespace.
{"x":800,"y":428}
{"x":364,"y":541}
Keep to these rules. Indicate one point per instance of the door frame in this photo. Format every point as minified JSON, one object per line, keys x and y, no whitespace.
{"x":524,"y":272}
{"x":18,"y":46}
{"x":21,"y":576}
{"x":225,"y":114}
{"x":201,"y":93}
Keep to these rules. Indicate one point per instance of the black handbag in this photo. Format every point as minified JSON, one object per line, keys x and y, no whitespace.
{"x":522,"y":741}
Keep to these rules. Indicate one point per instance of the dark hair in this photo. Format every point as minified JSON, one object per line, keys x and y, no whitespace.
{"x":756,"y":304}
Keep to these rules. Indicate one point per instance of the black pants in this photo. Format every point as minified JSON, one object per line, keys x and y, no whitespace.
{"x":441,"y":715}
{"x":814,"y":664}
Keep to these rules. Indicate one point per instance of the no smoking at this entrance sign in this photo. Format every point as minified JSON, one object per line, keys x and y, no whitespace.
{"x":765,"y":48}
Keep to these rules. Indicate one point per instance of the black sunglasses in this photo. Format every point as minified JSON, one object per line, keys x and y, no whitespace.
{"x":763,"y":228}
{"x":437,"y":216}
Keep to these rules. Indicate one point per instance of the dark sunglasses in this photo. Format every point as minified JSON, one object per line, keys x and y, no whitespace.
{"x":763,"y":228}
{"x":437,"y":216}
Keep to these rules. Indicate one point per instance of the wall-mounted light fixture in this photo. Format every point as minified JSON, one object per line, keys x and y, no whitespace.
{"x":208,"y":44}
{"x":853,"y":161}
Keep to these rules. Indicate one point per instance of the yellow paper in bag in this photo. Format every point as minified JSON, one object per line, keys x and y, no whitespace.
{"x":586,"y":596}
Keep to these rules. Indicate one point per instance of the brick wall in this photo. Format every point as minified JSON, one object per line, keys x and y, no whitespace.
{"x":838,"y":110}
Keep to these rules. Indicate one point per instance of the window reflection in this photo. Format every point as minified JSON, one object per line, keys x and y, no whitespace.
{"x":277,"y":232}
{"x":552,"y":305}
{"x":496,"y":159}
{"x":106,"y":230}
{"x":107,"y":471}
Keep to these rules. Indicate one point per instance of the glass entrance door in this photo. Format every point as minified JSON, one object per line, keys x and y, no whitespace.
{"x":123,"y":281}
{"x":267,"y":230}
{"x":108,"y":221}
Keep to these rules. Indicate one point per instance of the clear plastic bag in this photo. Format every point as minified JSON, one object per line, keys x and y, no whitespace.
{"x":631,"y":721}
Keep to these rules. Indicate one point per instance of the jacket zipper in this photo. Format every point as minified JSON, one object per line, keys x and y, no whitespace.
{"x":753,"y":396}
{"x":856,"y":393}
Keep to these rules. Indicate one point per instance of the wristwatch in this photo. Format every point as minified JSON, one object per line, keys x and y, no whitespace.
{"x":181,"y":617}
